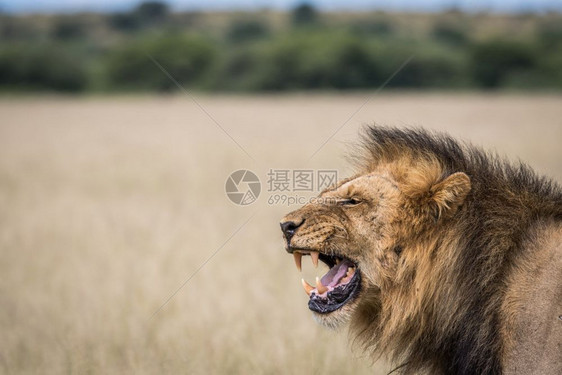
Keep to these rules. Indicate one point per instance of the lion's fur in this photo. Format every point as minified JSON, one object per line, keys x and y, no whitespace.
{"x":463,"y":238}
{"x":456,"y":314}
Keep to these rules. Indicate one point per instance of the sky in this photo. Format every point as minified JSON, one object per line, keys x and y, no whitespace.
{"x":51,"y":6}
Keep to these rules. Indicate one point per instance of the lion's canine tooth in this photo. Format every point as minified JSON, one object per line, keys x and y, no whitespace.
{"x":314,"y":255}
{"x":338,"y":261}
{"x":298,"y":260}
{"x":307,"y":287}
{"x":319,"y":287}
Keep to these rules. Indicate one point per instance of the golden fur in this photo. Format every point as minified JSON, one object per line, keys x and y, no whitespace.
{"x":460,"y":256}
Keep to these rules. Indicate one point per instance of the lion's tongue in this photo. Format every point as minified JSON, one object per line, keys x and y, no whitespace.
{"x":336,"y":273}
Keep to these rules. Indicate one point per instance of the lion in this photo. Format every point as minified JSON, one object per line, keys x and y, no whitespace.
{"x":444,"y":258}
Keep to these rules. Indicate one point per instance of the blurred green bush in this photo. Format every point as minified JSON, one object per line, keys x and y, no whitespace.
{"x":304,"y":15}
{"x":493,"y":61}
{"x":450,"y":32}
{"x":186,"y":58}
{"x":41,"y":67}
{"x":267,"y":51}
{"x":246,"y":30}
{"x":316,"y":60}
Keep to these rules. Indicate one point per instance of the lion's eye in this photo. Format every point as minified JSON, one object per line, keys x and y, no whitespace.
{"x":349,"y":202}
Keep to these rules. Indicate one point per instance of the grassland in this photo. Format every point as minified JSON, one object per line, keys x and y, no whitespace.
{"x":108,"y":205}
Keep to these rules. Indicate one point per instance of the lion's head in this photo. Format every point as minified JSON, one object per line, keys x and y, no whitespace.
{"x":420,"y":243}
{"x":360,"y":227}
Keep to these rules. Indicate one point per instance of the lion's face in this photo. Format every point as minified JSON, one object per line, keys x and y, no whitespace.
{"x":353,"y":229}
{"x":363,"y":226}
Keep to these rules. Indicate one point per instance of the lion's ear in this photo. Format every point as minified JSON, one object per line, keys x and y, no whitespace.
{"x":449,"y":194}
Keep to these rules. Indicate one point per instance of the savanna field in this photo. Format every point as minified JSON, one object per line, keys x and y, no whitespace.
{"x":120,"y":252}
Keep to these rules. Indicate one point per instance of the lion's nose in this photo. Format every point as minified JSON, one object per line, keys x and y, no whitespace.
{"x":289,"y":228}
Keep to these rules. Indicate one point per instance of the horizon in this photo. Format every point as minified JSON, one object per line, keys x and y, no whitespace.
{"x":108,"y":6}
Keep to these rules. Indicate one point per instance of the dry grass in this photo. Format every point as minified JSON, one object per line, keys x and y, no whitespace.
{"x":107,"y":205}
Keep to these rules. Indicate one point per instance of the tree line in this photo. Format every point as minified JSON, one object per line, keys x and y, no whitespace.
{"x":272,"y":51}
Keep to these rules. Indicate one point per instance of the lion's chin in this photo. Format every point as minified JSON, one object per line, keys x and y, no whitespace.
{"x":338,"y":318}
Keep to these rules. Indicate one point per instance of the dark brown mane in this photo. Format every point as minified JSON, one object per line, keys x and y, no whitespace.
{"x":481,"y":166}
{"x":505,"y":201}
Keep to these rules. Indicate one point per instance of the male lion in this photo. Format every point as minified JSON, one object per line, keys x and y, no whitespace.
{"x":443,"y":257}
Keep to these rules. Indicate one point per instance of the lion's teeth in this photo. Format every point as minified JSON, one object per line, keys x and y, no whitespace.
{"x":338,"y":261}
{"x":307,"y":287}
{"x":314,"y":255}
{"x":298,"y":260}
{"x":319,"y":287}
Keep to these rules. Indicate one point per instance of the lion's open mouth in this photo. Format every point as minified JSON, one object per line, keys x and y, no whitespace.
{"x":336,"y":288}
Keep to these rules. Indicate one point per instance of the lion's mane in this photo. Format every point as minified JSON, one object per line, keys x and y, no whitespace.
{"x":453,"y":323}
